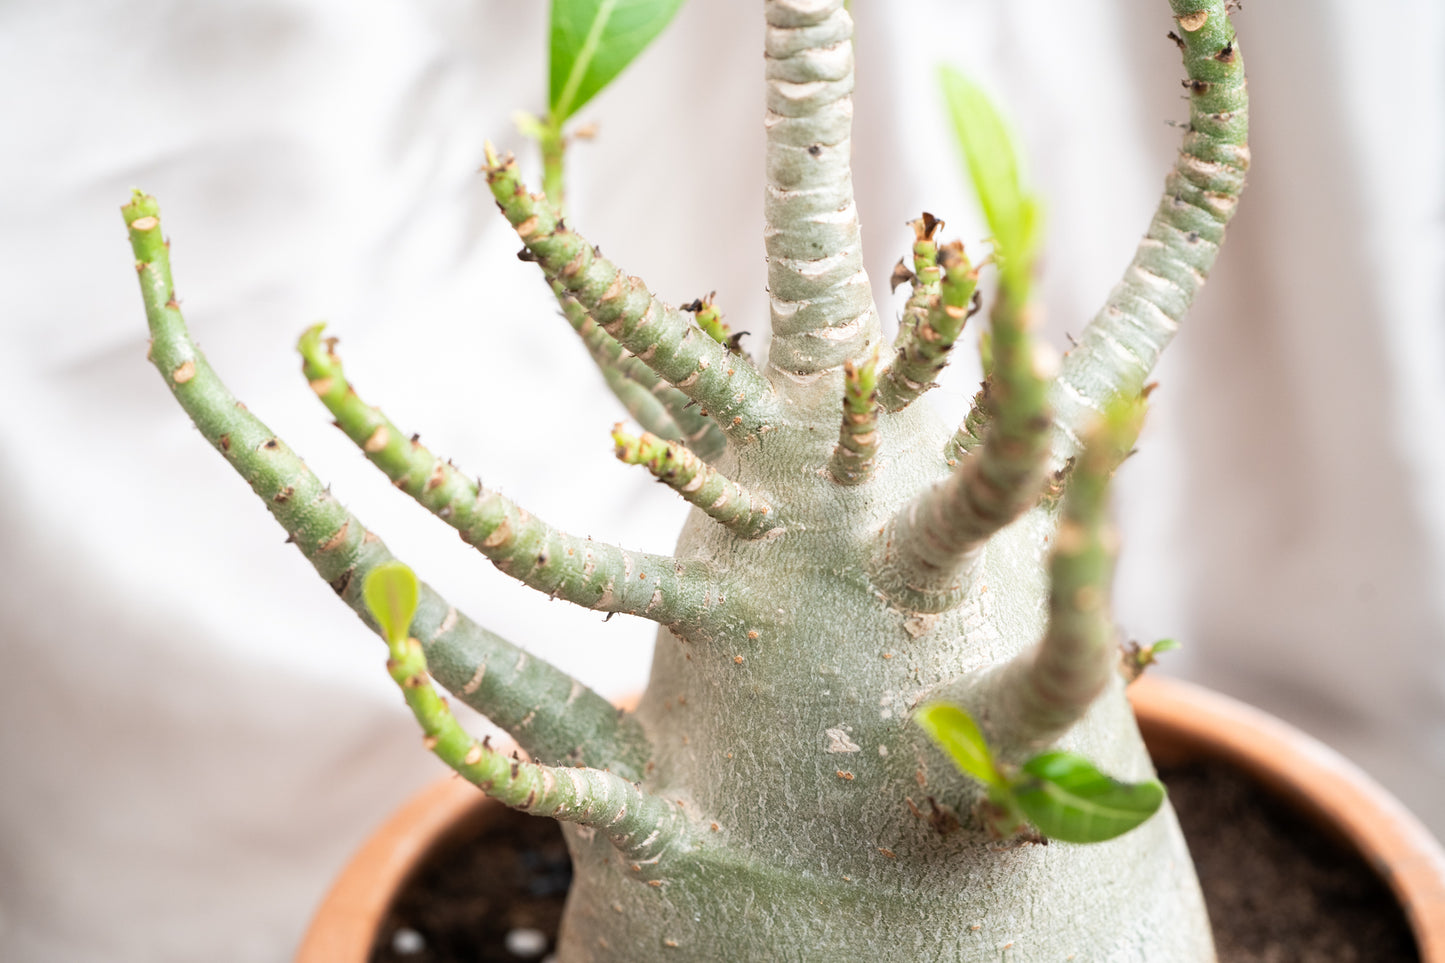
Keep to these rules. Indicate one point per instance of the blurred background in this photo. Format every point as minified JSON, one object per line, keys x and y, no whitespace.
{"x":194,"y":733}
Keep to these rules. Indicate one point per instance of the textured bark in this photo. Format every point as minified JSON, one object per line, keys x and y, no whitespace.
{"x":822,"y":305}
{"x":818,"y":854}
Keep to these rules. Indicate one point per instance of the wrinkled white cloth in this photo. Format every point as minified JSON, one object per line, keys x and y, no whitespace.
{"x":195,"y":734}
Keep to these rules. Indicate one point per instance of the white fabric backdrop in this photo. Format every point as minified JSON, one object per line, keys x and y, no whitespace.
{"x":194,"y":733}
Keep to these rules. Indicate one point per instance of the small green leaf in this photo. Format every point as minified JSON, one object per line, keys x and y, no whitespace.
{"x":593,"y":41}
{"x":993,"y":166}
{"x":1070,"y":800}
{"x":958,"y":735}
{"x":1164,"y":645}
{"x":391,"y":592}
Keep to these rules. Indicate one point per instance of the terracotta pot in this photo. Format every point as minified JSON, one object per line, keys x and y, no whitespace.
{"x":1179,"y":722}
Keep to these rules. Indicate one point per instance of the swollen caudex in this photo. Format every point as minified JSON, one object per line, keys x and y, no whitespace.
{"x":808,"y":557}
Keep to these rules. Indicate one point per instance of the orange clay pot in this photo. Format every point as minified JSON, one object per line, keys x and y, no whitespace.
{"x":1179,"y":721}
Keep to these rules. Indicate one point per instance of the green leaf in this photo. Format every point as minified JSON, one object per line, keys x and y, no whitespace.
{"x":993,"y":166}
{"x":1070,"y":800}
{"x":391,"y":592}
{"x":958,"y":735}
{"x":1164,"y":645}
{"x":593,"y":41}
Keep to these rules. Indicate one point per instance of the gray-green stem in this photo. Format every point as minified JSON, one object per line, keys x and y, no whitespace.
{"x":727,"y":386}
{"x":1121,"y":345}
{"x":595,"y":575}
{"x":647,"y":830}
{"x":550,"y":714}
{"x":822,"y":304}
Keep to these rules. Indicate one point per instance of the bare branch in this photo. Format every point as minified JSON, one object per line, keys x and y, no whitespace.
{"x":727,"y":386}
{"x":1122,"y":344}
{"x":927,"y":545}
{"x":852,"y":461}
{"x":655,"y":404}
{"x":550,"y":714}
{"x":594,"y":575}
{"x":822,"y":305}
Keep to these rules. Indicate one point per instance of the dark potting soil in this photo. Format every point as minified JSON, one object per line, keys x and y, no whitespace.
{"x":492,"y":895}
{"x":1278,"y":890}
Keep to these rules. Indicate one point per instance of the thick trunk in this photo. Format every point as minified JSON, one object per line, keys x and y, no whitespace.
{"x":789,"y":730}
{"x":784,"y":806}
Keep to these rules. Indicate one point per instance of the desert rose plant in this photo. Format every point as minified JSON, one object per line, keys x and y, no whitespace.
{"x":886,"y":690}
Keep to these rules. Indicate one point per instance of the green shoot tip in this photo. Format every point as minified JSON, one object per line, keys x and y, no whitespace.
{"x":141,"y":206}
{"x":391,"y":592}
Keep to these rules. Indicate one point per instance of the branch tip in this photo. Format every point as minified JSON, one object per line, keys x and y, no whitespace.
{"x":343,"y":551}
{"x":743,"y":512}
{"x":1123,"y":342}
{"x":944,"y":284}
{"x":852,"y":462}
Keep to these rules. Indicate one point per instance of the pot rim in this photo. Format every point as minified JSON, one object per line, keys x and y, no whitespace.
{"x":1171,"y":713}
{"x":345,"y":924}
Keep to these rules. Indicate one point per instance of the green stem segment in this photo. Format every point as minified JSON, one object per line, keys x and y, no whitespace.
{"x":742,"y":512}
{"x":595,"y":575}
{"x":974,"y":429}
{"x":554,"y":158}
{"x":1119,"y":348}
{"x":550,"y":714}
{"x":852,"y":461}
{"x":932,"y":321}
{"x":1037,"y":697}
{"x":664,"y":338}
{"x":642,"y":826}
{"x":927,"y":545}
{"x":655,"y":404}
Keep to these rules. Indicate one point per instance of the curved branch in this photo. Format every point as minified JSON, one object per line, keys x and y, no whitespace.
{"x":550,"y":714}
{"x":642,"y":826}
{"x":1122,"y":344}
{"x":727,"y":386}
{"x":822,"y":305}
{"x":655,"y":404}
{"x":591,"y":574}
